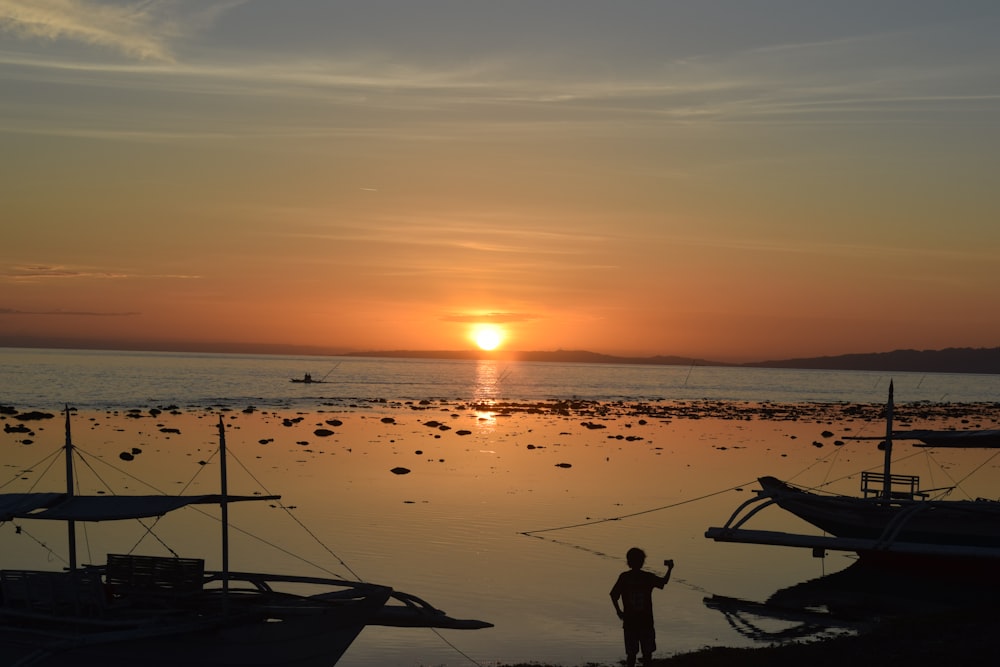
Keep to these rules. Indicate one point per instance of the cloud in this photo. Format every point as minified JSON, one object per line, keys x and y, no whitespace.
{"x":494,"y":318}
{"x":38,"y":272}
{"x":74,"y":313}
{"x":34,"y":272}
{"x":143,"y":30}
{"x":130,"y":29}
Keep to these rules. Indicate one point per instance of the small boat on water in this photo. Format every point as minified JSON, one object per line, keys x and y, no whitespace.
{"x":307,"y":378}
{"x":158,"y":611}
{"x":893,"y":520}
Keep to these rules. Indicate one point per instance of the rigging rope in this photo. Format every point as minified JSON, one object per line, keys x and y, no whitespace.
{"x":19,"y":530}
{"x":531,"y":533}
{"x":455,"y":648}
{"x":296,"y":520}
{"x":833,"y":454}
{"x":20,"y":474}
{"x":85,"y":457}
{"x":995,"y":454}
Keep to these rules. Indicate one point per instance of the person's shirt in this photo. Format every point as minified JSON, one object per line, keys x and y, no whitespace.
{"x":635,"y":588}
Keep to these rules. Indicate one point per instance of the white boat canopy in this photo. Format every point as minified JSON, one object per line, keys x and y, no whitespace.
{"x":61,"y":507}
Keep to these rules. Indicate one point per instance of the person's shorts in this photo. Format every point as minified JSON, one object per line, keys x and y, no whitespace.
{"x":641,"y":638}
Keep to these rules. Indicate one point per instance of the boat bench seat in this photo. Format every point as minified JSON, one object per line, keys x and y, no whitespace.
{"x":901,"y":487}
{"x":153,"y":574}
{"x":77,"y":593}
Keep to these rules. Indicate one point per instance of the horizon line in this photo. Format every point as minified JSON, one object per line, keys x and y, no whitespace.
{"x":584,"y":356}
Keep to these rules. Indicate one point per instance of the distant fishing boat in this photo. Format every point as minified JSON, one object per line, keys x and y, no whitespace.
{"x":309,"y":379}
{"x":160,"y":611}
{"x":893,"y":520}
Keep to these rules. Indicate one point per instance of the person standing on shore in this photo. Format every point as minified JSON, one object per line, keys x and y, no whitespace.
{"x":634,"y":590}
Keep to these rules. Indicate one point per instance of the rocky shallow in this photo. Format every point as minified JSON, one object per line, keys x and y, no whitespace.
{"x":428,"y":436}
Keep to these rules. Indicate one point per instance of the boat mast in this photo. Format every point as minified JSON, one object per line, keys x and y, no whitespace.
{"x":224,"y":489}
{"x":70,"y":524}
{"x":887,"y":465}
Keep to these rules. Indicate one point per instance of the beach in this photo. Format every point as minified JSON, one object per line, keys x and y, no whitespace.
{"x":490,"y":509}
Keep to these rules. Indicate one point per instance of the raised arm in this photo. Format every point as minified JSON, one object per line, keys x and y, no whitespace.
{"x":670,"y":568}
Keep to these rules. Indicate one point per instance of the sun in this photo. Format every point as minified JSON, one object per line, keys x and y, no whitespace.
{"x":487,"y":336}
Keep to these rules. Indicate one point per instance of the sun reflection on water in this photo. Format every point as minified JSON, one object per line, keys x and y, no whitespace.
{"x":488,"y":390}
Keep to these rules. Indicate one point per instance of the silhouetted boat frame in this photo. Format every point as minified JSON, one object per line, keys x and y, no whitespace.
{"x":894,"y":520}
{"x":854,"y":599}
{"x":152,"y":611}
{"x":308,"y":378}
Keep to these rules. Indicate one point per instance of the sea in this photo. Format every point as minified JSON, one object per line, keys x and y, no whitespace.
{"x":50,"y":378}
{"x":524,"y":483}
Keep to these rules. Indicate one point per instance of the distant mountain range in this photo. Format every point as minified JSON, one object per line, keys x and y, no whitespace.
{"x":950,"y":360}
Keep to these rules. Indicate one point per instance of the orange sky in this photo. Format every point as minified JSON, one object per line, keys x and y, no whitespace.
{"x":732,"y":181}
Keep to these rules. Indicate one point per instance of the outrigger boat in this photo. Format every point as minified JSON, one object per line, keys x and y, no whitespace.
{"x":307,"y":379}
{"x":893,"y":519}
{"x":153,"y":611}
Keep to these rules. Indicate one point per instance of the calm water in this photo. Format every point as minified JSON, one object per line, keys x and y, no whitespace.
{"x":524,"y":519}
{"x":97,"y":379}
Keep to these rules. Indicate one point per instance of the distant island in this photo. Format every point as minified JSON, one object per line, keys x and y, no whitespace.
{"x":563,"y":356}
{"x":950,"y":360}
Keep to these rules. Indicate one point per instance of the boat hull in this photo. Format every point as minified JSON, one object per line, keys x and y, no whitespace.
{"x":945,"y":523}
{"x":293,"y":636}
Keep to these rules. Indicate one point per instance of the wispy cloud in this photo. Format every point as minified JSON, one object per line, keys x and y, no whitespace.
{"x":144,"y":30}
{"x":493,"y":318}
{"x":30,"y":273}
{"x":74,"y":313}
{"x":500,"y":234}
{"x":131,"y":29}
{"x":33,"y":272}
{"x":831,"y":249}
{"x":869,"y":79}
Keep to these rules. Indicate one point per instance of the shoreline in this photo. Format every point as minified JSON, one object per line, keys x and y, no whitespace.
{"x":968,"y":638}
{"x":956,"y":415}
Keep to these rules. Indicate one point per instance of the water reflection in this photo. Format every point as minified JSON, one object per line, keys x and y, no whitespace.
{"x":490,"y":376}
{"x":849,"y":601}
{"x":488,"y":389}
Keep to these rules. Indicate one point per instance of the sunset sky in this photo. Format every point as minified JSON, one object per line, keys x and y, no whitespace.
{"x":733,"y":180}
